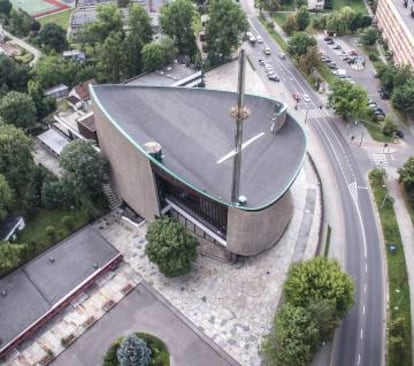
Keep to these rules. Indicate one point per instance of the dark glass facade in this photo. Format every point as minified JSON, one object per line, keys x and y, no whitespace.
{"x":209,"y":212}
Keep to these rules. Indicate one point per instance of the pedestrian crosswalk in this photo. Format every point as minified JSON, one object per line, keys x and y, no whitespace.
{"x":314,"y":112}
{"x":381,"y":160}
{"x":353,"y":189}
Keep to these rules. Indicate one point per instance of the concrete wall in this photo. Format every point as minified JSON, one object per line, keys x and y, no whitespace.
{"x":252,"y":232}
{"x":131,"y":170}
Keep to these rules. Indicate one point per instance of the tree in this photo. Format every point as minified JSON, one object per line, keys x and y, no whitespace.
{"x":302,"y":18}
{"x":389,"y":127}
{"x":407,"y":174}
{"x":53,"y":69}
{"x":402,"y":98}
{"x":271,"y":5}
{"x":6,"y":197}
{"x":294,"y":339}
{"x":176,"y":21}
{"x":16,"y":161}
{"x":113,"y":59}
{"x":170,"y":247}
{"x":133,"y":351}
{"x":290,"y":25}
{"x":369,"y":36}
{"x":20,"y":22}
{"x":44,"y":105}
{"x":13,"y":76}
{"x":18,"y":109}
{"x":108,"y":20}
{"x":319,"y":279}
{"x":50,"y":194}
{"x":122,"y":3}
{"x":10,"y":256}
{"x":140,"y":33}
{"x":53,"y":37}
{"x":299,"y":43}
{"x":158,"y":54}
{"x":310,"y":60}
{"x":5,"y":7}
{"x":85,"y":167}
{"x":300,"y":3}
{"x":348,"y":100}
{"x":225,"y":29}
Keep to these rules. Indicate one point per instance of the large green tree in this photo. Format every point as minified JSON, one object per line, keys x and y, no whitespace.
{"x":133,"y":351}
{"x":369,"y":36}
{"x":225,"y":29}
{"x":176,"y":21}
{"x":16,"y":161}
{"x":299,"y":43}
{"x":5,"y":7}
{"x":108,"y":20}
{"x":113,"y":58}
{"x":85,"y":167}
{"x":13,"y":76}
{"x":6,"y":197}
{"x":18,"y":109}
{"x":52,"y":37}
{"x":44,"y":105}
{"x":349,"y":100}
{"x":407,"y":174}
{"x":319,"y":279}
{"x":302,"y":18}
{"x":403,"y":98}
{"x":158,"y":54}
{"x":170,"y":247}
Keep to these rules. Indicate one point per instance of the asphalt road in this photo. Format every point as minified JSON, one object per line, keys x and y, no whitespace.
{"x":361,"y":338}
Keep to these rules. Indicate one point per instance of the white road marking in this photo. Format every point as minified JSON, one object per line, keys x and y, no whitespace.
{"x":362,"y":333}
{"x":359,"y":359}
{"x":363,"y":309}
{"x":245,"y":144}
{"x":353,"y":190}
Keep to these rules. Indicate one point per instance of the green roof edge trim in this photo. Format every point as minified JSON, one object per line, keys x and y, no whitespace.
{"x":182,"y":180}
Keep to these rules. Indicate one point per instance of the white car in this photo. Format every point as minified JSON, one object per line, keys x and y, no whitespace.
{"x":259,"y":39}
{"x":306,"y":98}
{"x":267,"y":51}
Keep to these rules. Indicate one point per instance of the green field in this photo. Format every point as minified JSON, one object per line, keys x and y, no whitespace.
{"x":357,"y":5}
{"x":33,"y":6}
{"x":61,"y":18}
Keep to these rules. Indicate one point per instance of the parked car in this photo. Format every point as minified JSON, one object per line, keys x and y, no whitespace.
{"x":399,"y":133}
{"x":333,"y":66}
{"x":330,"y":42}
{"x":327,"y":39}
{"x":273,"y":77}
{"x":269,"y":67}
{"x":379,"y":110}
{"x":337,"y":47}
{"x":353,"y":53}
{"x":383,"y":93}
{"x":261,"y":62}
{"x":259,"y":39}
{"x":282,"y":55}
{"x":267,"y":51}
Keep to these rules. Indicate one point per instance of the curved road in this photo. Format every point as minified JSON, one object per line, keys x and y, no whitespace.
{"x":361,"y":338}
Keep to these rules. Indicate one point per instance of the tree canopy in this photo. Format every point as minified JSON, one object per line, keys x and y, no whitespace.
{"x":319,"y":279}
{"x":18,"y":109}
{"x":10,"y":254}
{"x":403,"y":97}
{"x":176,"y":21}
{"x":108,"y":20}
{"x":348,"y":100}
{"x":170,"y":247}
{"x":225,"y":29}
{"x":52,"y":37}
{"x":86,"y":169}
{"x":133,"y":351}
{"x":302,"y":18}
{"x":299,"y":43}
{"x":13,"y":76}
{"x":158,"y":54}
{"x":407,"y":174}
{"x":6,"y":197}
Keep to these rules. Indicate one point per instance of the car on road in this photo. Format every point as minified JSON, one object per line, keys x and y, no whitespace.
{"x":273,"y":77}
{"x":296,"y":96}
{"x":330,"y":42}
{"x":267,"y":51}
{"x":259,"y":39}
{"x":306,"y":98}
{"x":282,"y":56}
{"x":262,"y":62}
{"x":268,"y":67}
{"x":337,"y":47}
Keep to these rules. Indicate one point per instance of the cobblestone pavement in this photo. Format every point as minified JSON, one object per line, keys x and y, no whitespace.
{"x":232,"y":304}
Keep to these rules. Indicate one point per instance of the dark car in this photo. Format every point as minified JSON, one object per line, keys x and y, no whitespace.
{"x":330,"y":42}
{"x":399,"y":133}
{"x":273,"y":77}
{"x":337,"y":47}
{"x":379,"y":110}
{"x":326,"y":39}
{"x":333,"y":66}
{"x":383,"y":93}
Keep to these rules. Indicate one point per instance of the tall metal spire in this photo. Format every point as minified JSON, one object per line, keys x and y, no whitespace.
{"x":239,"y":113}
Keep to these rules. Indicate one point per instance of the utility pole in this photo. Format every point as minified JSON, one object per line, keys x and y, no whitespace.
{"x":239,"y":113}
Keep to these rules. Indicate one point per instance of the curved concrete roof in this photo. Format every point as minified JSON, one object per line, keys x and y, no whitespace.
{"x":195,"y":130}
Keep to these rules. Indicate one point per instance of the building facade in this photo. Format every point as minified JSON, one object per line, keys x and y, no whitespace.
{"x":396,"y":23}
{"x":189,"y":175}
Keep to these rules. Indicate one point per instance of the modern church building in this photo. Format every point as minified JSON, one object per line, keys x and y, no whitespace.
{"x":171,"y":151}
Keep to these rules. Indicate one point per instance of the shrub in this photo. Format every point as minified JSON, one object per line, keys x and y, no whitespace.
{"x":51,"y":231}
{"x":389,"y":128}
{"x":67,"y":221}
{"x":133,"y":351}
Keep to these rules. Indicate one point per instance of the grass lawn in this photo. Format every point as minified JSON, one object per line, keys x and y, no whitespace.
{"x":276,"y":36}
{"x":61,"y":18}
{"x":375,"y":131}
{"x":357,"y":5}
{"x":35,"y":236}
{"x":399,"y":336}
{"x":280,"y":18}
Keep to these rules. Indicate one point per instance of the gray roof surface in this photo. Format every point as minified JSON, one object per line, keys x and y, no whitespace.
{"x":35,"y":287}
{"x":54,"y":140}
{"x":195,"y":130}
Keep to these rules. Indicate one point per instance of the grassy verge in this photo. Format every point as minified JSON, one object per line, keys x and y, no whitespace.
{"x":276,"y":36}
{"x":357,"y":5}
{"x":280,"y":18}
{"x":61,"y":18}
{"x":399,"y":320}
{"x":328,"y":241}
{"x":375,"y":131}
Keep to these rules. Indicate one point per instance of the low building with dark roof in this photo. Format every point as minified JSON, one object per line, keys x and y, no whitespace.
{"x":171,"y":150}
{"x":36,"y":291}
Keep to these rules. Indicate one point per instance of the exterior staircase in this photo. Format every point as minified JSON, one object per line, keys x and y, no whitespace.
{"x":113,"y":199}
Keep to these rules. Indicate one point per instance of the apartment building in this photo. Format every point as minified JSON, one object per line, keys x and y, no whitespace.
{"x":396,"y":22}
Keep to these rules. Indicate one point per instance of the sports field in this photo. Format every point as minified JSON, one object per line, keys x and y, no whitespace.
{"x":38,"y":8}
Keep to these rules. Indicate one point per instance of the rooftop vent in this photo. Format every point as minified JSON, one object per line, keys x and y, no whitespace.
{"x":154,"y":149}
{"x":242,"y":200}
